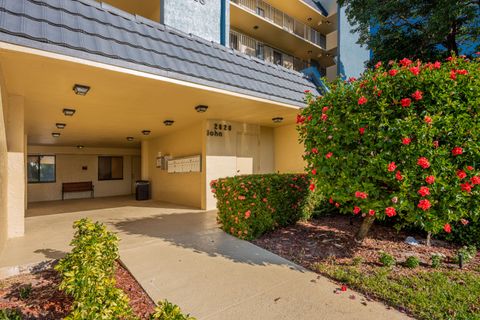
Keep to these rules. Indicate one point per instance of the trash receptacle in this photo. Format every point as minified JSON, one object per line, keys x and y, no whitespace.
{"x":142,"y":190}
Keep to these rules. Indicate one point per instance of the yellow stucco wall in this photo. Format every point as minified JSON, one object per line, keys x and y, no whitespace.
{"x":179,"y":188}
{"x":3,"y":168}
{"x":288,"y":150}
{"x":69,"y":168}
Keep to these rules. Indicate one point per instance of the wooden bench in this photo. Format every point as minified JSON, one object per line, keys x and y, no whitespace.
{"x":77,"y":187}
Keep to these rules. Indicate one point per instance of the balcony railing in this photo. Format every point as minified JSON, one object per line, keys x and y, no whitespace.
{"x":255,"y":48}
{"x":284,"y":21}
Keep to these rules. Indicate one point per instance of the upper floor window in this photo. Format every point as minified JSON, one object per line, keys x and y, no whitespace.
{"x":41,"y":169}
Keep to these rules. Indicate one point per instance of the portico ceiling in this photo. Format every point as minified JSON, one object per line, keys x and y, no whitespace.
{"x":119,"y":104}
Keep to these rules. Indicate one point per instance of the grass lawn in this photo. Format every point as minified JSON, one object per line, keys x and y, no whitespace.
{"x":427,"y":294}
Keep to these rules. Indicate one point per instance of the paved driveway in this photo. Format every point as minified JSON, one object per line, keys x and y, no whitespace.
{"x":180,"y":254}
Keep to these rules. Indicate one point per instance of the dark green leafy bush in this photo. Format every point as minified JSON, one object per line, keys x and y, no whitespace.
{"x":249,"y":206}
{"x":467,"y":252}
{"x":169,"y":311}
{"x":412,"y":262}
{"x":465,"y":232}
{"x":10,"y":314}
{"x":88,"y":274}
{"x":436,"y":261}
{"x":387,"y":260}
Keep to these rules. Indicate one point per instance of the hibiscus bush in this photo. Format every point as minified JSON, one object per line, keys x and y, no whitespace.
{"x":249,"y":206}
{"x":403,"y":140}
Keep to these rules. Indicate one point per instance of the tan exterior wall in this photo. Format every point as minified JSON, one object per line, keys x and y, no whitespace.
{"x":3,"y":167}
{"x":288,"y":150}
{"x":69,"y":163}
{"x":179,"y":188}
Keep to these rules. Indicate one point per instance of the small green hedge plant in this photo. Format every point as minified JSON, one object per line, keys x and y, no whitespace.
{"x":467,"y":252}
{"x":436,"y":261}
{"x":412,"y":262}
{"x":249,"y":206}
{"x":88,"y":274}
{"x":387,"y":260}
{"x":10,"y":314}
{"x":169,"y":311}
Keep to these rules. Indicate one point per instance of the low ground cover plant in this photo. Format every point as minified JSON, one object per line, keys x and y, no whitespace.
{"x":249,"y":206}
{"x":387,"y":260}
{"x":412,"y":262}
{"x":400,"y":141}
{"x":169,"y":311}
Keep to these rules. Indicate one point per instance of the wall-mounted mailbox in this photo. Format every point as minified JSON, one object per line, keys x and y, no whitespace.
{"x":185,"y":164}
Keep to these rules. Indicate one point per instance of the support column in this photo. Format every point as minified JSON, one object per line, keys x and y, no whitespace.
{"x":16,"y":167}
{"x":145,"y":161}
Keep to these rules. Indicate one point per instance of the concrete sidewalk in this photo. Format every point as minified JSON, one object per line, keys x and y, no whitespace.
{"x":181,"y":255}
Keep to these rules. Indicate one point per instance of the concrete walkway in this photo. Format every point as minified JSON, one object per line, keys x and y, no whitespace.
{"x":180,"y":254}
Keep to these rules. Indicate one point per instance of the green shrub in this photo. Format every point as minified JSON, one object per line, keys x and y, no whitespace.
{"x":249,"y":206}
{"x":88,"y":274}
{"x":169,"y":311}
{"x":467,"y":252}
{"x":436,"y":261}
{"x":387,"y":260}
{"x":412,"y":262}
{"x":357,"y":261}
{"x":25,"y":291}
{"x":10,"y":314}
{"x":400,"y":141}
{"x":466,"y":233}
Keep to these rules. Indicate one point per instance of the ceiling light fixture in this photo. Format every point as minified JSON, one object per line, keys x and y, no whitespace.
{"x":55,"y":134}
{"x":168,"y":123}
{"x":255,"y":27}
{"x":60,"y":125}
{"x":277,"y":119}
{"x":80,"y":146}
{"x":69,"y":112}
{"x":80,"y":89}
{"x":201,"y":108}
{"x":309,"y":19}
{"x":146,"y":132}
{"x":130,"y":138}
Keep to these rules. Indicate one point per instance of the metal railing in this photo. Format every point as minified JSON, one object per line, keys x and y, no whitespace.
{"x":284,"y":21}
{"x":255,"y":48}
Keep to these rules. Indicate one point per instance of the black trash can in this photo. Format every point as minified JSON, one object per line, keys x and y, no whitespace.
{"x":142,"y":190}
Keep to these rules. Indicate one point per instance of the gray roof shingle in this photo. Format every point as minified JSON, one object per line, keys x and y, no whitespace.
{"x":98,"y":32}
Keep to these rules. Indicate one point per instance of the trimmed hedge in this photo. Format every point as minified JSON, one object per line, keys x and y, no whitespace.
{"x":249,"y":206}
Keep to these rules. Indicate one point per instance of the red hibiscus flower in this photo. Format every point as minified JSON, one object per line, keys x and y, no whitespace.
{"x":406,"y":102}
{"x":417,"y":95}
{"x":247,"y":214}
{"x":405,"y":62}
{"x":406,"y":141}
{"x":330,"y":200}
{"x":352,"y":79}
{"x":362,"y":100}
{"x":470,"y":168}
{"x":324,"y":117}
{"x":430,"y":179}
{"x":466,"y":187}
{"x":424,"y":204}
{"x":453,"y":75}
{"x":437,"y":64}
{"x":457,"y":151}
{"x":427,"y":119}
{"x":390,"y":211}
{"x":475,"y":180}
{"x":415,"y":70}
{"x":371,"y":212}
{"x":300,"y":119}
{"x":393,"y":72}
{"x":391,"y":166}
{"x":378,"y":64}
{"x":423,"y":162}
{"x":329,"y":155}
{"x":361,"y":130}
{"x":464,"y":221}
{"x":424,"y":191}
{"x":398,"y":176}
{"x":462,"y":72}
{"x":307,"y":91}
{"x":461,"y":174}
{"x":325,"y":109}
{"x":314,"y":150}
{"x":314,"y":171}
{"x":356,"y":210}
{"x":312,"y":187}
{"x":447,"y":228}
{"x":361,"y":195}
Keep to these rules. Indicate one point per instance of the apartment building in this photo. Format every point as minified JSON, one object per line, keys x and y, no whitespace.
{"x":102,"y":94}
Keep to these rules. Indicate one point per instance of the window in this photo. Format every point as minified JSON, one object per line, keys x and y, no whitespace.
{"x":277,"y":58}
{"x":110,"y":168}
{"x":260,"y":51}
{"x":41,"y":169}
{"x":234,"y":41}
{"x":261,"y":12}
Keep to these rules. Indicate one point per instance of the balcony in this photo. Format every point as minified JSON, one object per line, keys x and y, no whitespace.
{"x":260,"y":50}
{"x":282,"y":20}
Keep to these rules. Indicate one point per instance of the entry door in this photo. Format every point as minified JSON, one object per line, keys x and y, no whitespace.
{"x":248,"y":151}
{"x":136,"y":171}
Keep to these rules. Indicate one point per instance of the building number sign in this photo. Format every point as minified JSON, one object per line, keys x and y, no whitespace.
{"x":202,"y":2}
{"x":219,"y":129}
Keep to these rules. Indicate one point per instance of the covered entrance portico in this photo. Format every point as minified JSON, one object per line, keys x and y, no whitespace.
{"x":123,"y":116}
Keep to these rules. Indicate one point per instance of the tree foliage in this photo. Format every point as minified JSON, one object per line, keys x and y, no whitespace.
{"x":423,"y":29}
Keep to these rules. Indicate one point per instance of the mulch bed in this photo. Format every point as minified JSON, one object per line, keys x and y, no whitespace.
{"x":46,"y":301}
{"x":330,"y":239}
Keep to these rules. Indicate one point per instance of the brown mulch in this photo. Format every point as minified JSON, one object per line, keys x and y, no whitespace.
{"x":330,"y":239}
{"x":46,"y":302}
